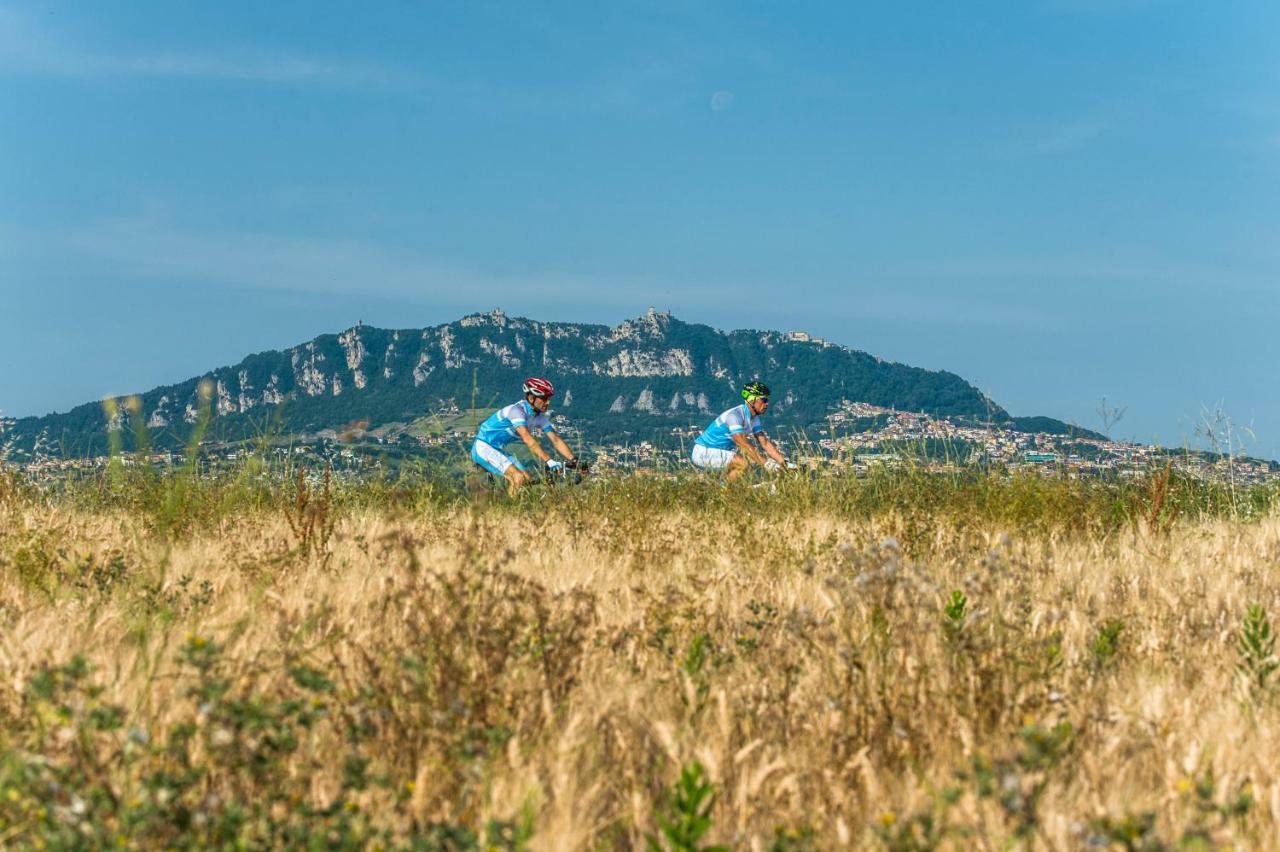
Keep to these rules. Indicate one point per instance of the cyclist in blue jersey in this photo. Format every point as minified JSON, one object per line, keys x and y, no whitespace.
{"x":726,"y":445}
{"x":519,"y":420}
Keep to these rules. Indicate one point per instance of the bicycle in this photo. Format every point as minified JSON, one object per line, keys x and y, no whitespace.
{"x":563,"y":476}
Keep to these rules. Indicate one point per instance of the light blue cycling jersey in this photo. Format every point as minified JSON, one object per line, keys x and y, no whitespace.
{"x":736,"y":421}
{"x":500,"y":428}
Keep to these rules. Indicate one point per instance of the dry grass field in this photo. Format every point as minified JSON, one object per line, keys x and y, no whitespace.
{"x":867,"y":664}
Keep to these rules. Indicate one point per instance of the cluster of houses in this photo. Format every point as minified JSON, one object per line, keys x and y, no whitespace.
{"x":945,"y":444}
{"x":856,"y":437}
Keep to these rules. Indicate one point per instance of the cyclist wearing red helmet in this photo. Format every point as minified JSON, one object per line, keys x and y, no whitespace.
{"x":519,"y":420}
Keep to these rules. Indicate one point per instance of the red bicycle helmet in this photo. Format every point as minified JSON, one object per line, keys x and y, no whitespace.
{"x":539,"y":387}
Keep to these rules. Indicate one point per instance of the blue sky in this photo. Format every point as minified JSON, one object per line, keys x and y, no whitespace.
{"x":1060,"y":200}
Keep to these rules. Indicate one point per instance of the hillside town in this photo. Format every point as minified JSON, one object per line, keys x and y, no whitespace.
{"x":948,"y":444}
{"x":856,"y":438}
{"x":859,"y":436}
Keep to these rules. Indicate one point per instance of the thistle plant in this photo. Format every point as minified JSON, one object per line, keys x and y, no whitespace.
{"x":310,"y":517}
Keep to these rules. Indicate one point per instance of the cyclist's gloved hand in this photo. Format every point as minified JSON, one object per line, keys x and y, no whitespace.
{"x":771,"y":465}
{"x":554,"y":466}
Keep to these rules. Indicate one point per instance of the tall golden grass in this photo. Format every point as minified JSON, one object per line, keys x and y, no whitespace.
{"x":448,"y":674}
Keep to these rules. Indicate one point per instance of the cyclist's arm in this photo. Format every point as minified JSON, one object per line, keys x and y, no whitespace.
{"x":561,"y":447}
{"x":534,"y":445}
{"x":746,"y":448}
{"x":771,"y":449}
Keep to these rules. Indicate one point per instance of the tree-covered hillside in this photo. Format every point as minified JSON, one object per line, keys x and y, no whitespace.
{"x":644,"y":376}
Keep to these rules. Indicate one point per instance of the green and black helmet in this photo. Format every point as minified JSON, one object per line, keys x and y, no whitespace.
{"x":755,"y":390}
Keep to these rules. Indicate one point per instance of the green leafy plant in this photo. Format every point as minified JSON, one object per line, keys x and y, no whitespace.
{"x":1207,"y":826}
{"x":1256,"y":645}
{"x":694,"y":665}
{"x":687,"y":817}
{"x":1017,"y":783}
{"x":954,"y":613}
{"x":1106,"y":643}
{"x":1135,"y":832}
{"x":794,"y":839}
{"x":83,"y":773}
{"x":926,"y":828}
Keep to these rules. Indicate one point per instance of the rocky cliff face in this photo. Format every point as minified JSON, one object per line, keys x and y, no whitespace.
{"x":646,"y":373}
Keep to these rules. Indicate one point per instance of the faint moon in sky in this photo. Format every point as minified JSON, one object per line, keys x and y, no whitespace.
{"x":721,"y":101}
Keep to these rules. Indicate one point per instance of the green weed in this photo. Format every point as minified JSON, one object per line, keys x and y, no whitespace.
{"x":954,"y":614}
{"x":1106,"y":643}
{"x":686,"y":819}
{"x":1256,"y":645}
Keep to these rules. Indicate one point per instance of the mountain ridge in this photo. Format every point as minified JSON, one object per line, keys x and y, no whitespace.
{"x":651,"y":372}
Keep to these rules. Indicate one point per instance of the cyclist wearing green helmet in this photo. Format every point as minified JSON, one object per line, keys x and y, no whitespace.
{"x":726,"y":445}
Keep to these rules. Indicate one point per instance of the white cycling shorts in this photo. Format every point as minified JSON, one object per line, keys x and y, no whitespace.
{"x":709,"y":458}
{"x":493,"y":459}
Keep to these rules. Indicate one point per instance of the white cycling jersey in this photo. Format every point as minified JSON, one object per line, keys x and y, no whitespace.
{"x":736,"y":421}
{"x":500,"y":427}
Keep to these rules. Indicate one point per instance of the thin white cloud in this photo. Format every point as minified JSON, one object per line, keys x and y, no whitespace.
{"x":1117,"y":274}
{"x":1096,"y":7}
{"x":261,"y":68}
{"x":149,"y":247}
{"x":636,"y":88}
{"x":1053,"y":138}
{"x":875,"y":302}
{"x":1070,"y":136}
{"x":27,"y":49}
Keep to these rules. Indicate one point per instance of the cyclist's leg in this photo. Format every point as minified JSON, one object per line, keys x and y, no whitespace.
{"x":517,"y":477}
{"x":490,"y":458}
{"x":505,"y":467}
{"x":709,"y":458}
{"x":736,"y":467}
